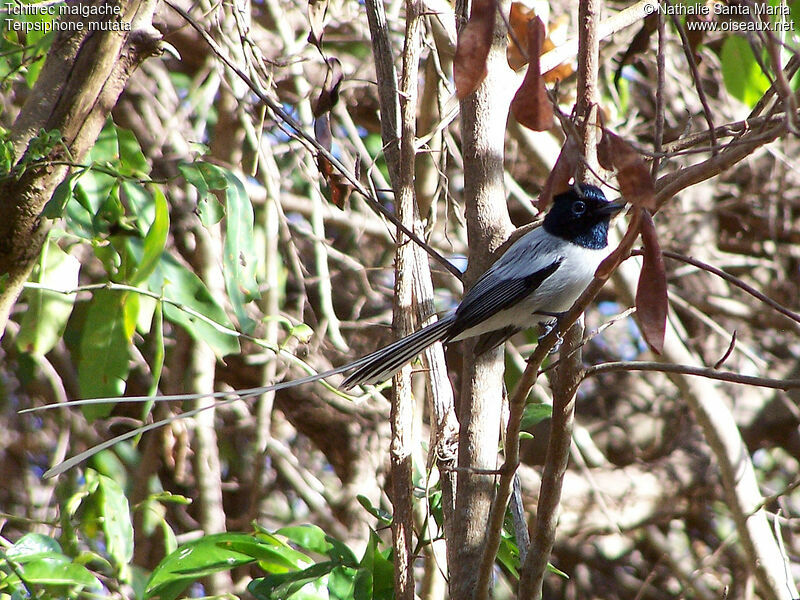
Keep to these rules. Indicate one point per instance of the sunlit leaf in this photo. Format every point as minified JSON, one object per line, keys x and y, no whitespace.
{"x":633,"y":175}
{"x":742,"y":74}
{"x":44,"y":321}
{"x":239,"y":253}
{"x":155,"y":239}
{"x":196,"y":559}
{"x":116,"y":519}
{"x":180,"y":285}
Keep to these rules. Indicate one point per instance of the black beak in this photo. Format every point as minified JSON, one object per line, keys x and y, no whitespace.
{"x":612,"y":208}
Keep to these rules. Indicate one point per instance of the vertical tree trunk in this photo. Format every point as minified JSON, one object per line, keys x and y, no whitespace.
{"x":483,"y":127}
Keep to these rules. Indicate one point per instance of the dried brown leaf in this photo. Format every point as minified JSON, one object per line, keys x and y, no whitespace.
{"x":474,"y":42}
{"x":530,"y":106}
{"x":605,"y":153}
{"x":696,"y":35}
{"x":651,"y":292}
{"x":518,"y":17}
{"x":339,"y":187}
{"x":557,"y":35}
{"x":633,"y":176}
{"x":329,"y":95}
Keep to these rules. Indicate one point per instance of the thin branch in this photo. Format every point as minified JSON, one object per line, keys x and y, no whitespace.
{"x":707,"y":372}
{"x":698,"y":84}
{"x":565,"y":386}
{"x":733,"y":280}
{"x":669,"y":185}
{"x":402,"y":414}
{"x":568,"y":375}
{"x":530,"y":375}
{"x":661,"y":100}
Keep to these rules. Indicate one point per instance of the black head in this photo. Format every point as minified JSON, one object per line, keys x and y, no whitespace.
{"x":581,"y":216}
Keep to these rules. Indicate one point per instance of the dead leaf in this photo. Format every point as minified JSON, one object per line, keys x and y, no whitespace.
{"x":339,"y":187}
{"x":695,"y":35}
{"x":605,"y":153}
{"x":317,"y":11}
{"x":530,"y":106}
{"x":329,"y":95}
{"x":633,"y":176}
{"x":517,"y":53}
{"x":474,"y":42}
{"x":651,"y":292}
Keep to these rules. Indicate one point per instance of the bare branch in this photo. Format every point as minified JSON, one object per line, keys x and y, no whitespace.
{"x":707,"y":372}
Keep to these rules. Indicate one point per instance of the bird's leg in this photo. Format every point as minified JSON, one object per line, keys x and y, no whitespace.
{"x":548,"y":326}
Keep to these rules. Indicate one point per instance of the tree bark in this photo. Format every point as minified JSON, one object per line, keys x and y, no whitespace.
{"x":483,"y":124}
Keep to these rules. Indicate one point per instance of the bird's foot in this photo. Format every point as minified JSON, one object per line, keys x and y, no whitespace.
{"x":548,"y":326}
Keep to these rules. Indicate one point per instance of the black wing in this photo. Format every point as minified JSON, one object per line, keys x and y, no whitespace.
{"x":490,"y":295}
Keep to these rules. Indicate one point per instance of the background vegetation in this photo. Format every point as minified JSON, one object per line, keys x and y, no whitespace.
{"x":195,"y":236}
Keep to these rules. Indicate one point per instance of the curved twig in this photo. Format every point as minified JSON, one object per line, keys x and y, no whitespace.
{"x":707,"y":372}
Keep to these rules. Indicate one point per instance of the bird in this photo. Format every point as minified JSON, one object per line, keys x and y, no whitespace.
{"x":536,"y":279}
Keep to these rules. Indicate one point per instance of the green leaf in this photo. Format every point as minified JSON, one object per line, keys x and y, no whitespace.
{"x":78,"y":218}
{"x":45,"y":320}
{"x":534,"y":414}
{"x":210,"y":554}
{"x":209,"y":210}
{"x":557,"y":571}
{"x":383,"y":516}
{"x":283,"y":586}
{"x":308,"y":537}
{"x":341,"y":552}
{"x":106,"y":149}
{"x":203,"y":176}
{"x":239,"y":254}
{"x":130,"y":315}
{"x":103,"y":365}
{"x":743,"y":76}
{"x":116,"y":515}
{"x":341,"y":583}
{"x":54,"y":569}
{"x":508,"y":555}
{"x":40,"y":560}
{"x":302,"y":332}
{"x":206,"y":177}
{"x":132,"y":160}
{"x":155,"y":239}
{"x":273,"y":556}
{"x":375,"y":577}
{"x":180,"y":285}
{"x":54,"y":209}
{"x":32,"y":543}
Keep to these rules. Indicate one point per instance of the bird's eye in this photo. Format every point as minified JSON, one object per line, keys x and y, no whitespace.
{"x":578,"y":207}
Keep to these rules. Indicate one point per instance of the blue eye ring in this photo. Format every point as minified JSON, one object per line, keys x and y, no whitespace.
{"x":578,"y":207}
